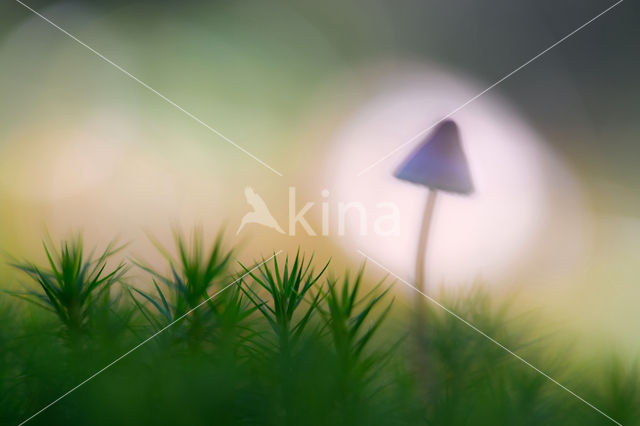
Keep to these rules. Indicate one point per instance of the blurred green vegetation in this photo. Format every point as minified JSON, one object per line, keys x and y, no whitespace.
{"x":281,"y":343}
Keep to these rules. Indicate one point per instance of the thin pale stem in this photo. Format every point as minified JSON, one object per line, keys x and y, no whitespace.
{"x":423,"y":371}
{"x":424,"y":240}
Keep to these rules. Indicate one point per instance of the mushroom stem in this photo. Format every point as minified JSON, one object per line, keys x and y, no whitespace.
{"x":423,"y":241}
{"x":421,"y":358}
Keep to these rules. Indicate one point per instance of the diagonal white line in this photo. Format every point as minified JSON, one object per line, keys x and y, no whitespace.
{"x":147,"y":339}
{"x":145,"y":85}
{"x":476,"y":329}
{"x":424,"y":131}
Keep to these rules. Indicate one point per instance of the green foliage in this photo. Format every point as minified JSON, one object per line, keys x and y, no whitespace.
{"x":475,"y":378}
{"x":74,"y":285}
{"x":9,"y":375}
{"x":351,"y":319}
{"x":277,"y":343}
{"x":193,"y":272}
{"x":196,"y":277}
{"x":287,"y":290}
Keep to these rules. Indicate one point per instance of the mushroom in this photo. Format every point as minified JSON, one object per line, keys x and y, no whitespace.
{"x":439,"y":163}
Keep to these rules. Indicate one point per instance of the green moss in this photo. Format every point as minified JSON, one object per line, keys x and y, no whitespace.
{"x":286,"y":344}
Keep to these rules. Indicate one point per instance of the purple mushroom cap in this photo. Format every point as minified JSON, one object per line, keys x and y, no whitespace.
{"x":439,"y":162}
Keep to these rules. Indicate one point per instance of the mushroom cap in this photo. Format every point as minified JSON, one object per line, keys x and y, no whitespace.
{"x":439,"y":162}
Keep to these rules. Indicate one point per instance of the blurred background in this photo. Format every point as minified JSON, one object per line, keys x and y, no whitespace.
{"x":320,"y":91}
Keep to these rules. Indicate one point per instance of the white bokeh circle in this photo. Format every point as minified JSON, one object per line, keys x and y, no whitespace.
{"x":486,"y":236}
